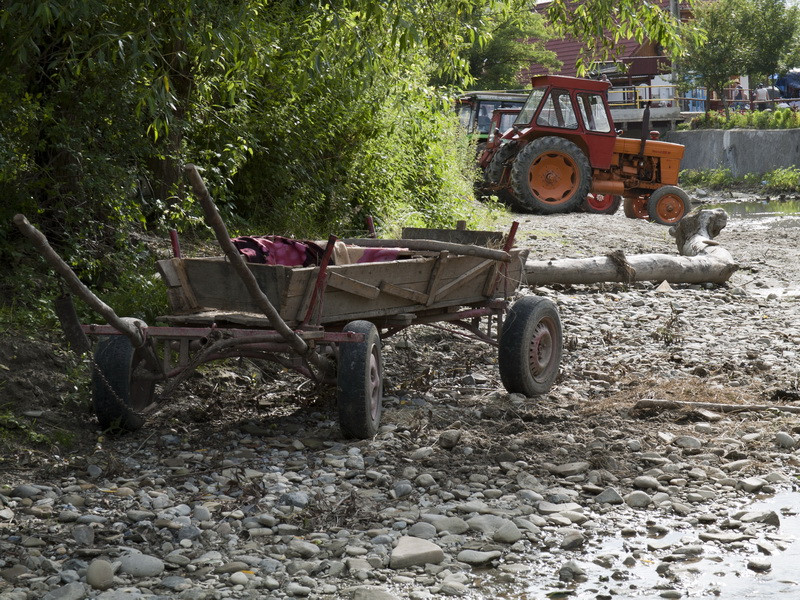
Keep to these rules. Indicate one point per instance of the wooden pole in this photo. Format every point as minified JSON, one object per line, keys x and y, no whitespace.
{"x":124,"y":326}
{"x":214,"y":220}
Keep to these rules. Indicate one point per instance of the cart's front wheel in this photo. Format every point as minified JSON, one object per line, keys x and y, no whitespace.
{"x":359,"y":382}
{"x":120,"y":384}
{"x":529,"y":353}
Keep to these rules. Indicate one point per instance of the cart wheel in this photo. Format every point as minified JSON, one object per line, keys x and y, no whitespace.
{"x":359,"y":382}
{"x":117,"y":392}
{"x":530,"y":346}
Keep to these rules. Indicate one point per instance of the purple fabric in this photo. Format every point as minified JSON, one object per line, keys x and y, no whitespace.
{"x":278,"y":250}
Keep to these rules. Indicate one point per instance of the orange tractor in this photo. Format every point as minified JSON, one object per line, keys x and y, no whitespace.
{"x":563,"y":154}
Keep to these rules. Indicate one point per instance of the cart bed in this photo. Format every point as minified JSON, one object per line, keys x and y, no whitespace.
{"x":203,"y":290}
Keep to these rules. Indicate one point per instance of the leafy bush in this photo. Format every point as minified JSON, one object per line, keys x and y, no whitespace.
{"x":786,"y":179}
{"x":781,"y":180}
{"x":782,"y":118}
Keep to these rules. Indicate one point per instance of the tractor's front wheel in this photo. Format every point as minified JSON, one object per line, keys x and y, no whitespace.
{"x":550,"y":175}
{"x":668,"y":205}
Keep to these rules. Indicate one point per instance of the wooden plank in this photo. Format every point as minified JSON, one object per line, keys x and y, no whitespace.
{"x":462,"y":279}
{"x":308,"y":293}
{"x":458,"y":249}
{"x":436,"y":274}
{"x":455,"y":236}
{"x":401,"y":292}
{"x":352,"y":286}
{"x":188,"y":292}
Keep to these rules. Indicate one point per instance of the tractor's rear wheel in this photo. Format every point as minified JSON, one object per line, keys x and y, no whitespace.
{"x":601,"y":204}
{"x":550,"y":175}
{"x":494,"y":173}
{"x":668,"y":205}
{"x":635,"y":208}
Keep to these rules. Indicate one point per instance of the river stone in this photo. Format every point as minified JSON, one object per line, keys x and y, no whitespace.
{"x":752,"y":484}
{"x":571,"y":571}
{"x":476,"y":557}
{"x":645,"y":482}
{"x":141,"y":565}
{"x":759,"y":565}
{"x":83,"y":535}
{"x":426,"y":531}
{"x":637,"y":499}
{"x":100,"y":574}
{"x":25,"y":491}
{"x":449,"y":439}
{"x":687,"y":441}
{"x":569,"y":469}
{"x":548,"y":508}
{"x":238,"y":578}
{"x":454,"y":525}
{"x":785,"y":440}
{"x":412,"y":551}
{"x":372,"y":593}
{"x":303,"y":549}
{"x":572,"y":540}
{"x":609,"y":496}
{"x":72,"y":591}
{"x":507,"y":533}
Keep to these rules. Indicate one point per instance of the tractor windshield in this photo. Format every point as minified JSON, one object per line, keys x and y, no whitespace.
{"x":531,"y":104}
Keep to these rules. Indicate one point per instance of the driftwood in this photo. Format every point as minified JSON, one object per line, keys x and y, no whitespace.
{"x":702,"y":260}
{"x":650,"y":404}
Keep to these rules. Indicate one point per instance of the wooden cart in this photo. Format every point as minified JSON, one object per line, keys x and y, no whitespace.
{"x":324,"y":321}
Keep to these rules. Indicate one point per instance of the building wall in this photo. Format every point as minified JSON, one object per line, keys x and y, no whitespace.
{"x":740,"y":150}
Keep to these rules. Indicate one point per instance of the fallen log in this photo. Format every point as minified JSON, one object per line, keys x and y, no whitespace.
{"x":653,"y":404}
{"x":701,"y":260}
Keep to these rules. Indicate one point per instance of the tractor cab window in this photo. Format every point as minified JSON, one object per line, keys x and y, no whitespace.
{"x":557,"y":111}
{"x":593,"y":112}
{"x":529,"y":108}
{"x":485,"y":111}
{"x":465,"y":116}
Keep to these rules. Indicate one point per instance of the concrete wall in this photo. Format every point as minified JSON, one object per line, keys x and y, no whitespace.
{"x":740,"y":150}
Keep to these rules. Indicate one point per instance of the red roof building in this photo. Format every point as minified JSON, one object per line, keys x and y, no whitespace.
{"x":639,"y":62}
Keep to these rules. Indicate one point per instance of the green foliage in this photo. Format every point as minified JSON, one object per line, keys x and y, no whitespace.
{"x":715,"y":179}
{"x":786,"y":179}
{"x":781,"y":180}
{"x":783,"y":118}
{"x":516,"y":43}
{"x":754,"y":37}
{"x":602,"y":24}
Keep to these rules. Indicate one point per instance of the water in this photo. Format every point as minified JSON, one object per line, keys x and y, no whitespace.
{"x":633,"y":562}
{"x":761,"y":214}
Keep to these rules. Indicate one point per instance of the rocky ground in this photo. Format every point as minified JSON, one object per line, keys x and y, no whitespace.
{"x":243,"y":488}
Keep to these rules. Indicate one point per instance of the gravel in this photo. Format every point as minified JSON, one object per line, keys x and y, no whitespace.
{"x":243,"y":488}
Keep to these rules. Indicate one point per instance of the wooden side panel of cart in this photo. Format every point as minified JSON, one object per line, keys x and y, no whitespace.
{"x":358,"y":291}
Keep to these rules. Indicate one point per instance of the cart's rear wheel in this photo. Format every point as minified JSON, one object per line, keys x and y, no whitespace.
{"x":359,"y":382}
{"x":120,"y":385}
{"x":529,"y":355}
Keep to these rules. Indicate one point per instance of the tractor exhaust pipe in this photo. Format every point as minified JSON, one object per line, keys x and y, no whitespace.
{"x":607,"y":186}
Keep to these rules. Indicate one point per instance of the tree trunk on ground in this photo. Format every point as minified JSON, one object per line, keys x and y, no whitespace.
{"x":702,"y":260}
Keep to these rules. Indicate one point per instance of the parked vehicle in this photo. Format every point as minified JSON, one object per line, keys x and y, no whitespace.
{"x":475,"y":111}
{"x":563,"y":146}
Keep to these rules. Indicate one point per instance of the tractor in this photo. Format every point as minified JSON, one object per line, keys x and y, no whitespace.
{"x":563,"y":154}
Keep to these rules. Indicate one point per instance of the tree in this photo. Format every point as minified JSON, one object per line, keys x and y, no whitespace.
{"x":716,"y":59}
{"x":513,"y":44}
{"x":770,"y":30}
